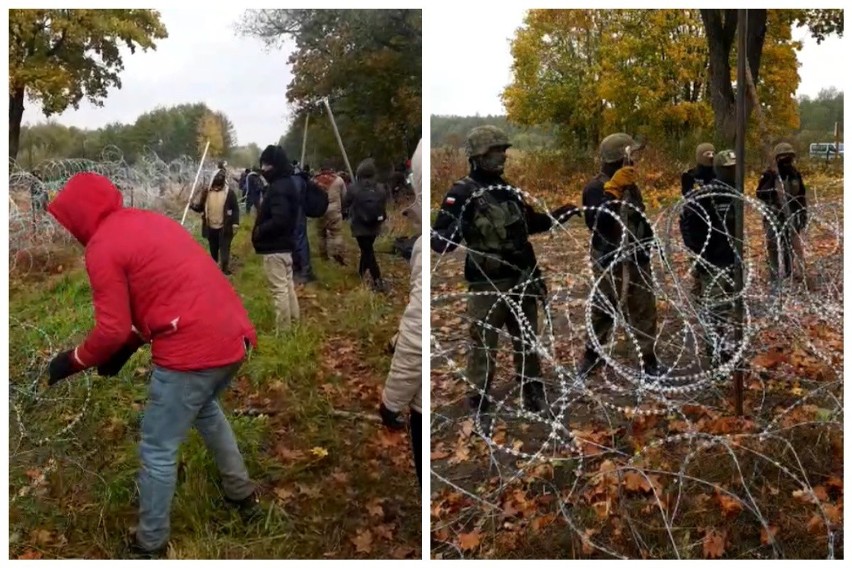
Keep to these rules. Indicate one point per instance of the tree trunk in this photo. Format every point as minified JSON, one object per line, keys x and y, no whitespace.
{"x":16,"y":115}
{"x":720,"y":27}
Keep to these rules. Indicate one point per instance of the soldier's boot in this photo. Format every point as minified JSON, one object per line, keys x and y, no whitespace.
{"x":534,"y":399}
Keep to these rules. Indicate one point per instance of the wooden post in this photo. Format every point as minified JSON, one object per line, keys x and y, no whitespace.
{"x":742,"y":24}
{"x":837,"y":140}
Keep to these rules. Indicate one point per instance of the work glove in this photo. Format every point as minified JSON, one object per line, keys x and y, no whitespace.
{"x":562,"y":214}
{"x":623,"y":179}
{"x":62,"y":366}
{"x":392,"y":420}
{"x":115,"y":363}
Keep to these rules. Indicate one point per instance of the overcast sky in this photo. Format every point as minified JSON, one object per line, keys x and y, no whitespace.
{"x":202,"y":60}
{"x":469,"y":72}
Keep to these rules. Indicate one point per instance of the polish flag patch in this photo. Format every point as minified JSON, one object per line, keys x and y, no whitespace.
{"x":450,"y":200}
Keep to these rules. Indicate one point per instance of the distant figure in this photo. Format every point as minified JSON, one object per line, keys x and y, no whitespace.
{"x":783,"y":190}
{"x":220,"y":217}
{"x":331,"y":224}
{"x":254,"y":190}
{"x":366,"y":202}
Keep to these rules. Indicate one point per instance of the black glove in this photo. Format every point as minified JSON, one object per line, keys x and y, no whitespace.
{"x":562,"y":214}
{"x":392,"y":420}
{"x":61,"y":367}
{"x":115,"y":363}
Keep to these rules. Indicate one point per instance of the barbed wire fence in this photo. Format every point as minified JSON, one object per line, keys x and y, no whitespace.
{"x":589,"y":442}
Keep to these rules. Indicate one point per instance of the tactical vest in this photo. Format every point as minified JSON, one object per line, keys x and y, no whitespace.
{"x":495,"y":231}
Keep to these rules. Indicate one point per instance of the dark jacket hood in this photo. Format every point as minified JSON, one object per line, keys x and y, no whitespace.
{"x":82,"y":205}
{"x":277,"y":158}
{"x":366,"y":169}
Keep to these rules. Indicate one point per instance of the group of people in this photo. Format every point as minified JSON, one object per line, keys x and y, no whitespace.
{"x":363,"y":204}
{"x":152,"y":282}
{"x":492,"y":220}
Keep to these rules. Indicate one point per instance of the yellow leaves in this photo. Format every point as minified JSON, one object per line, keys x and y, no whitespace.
{"x":319,"y":452}
{"x":210,"y":128}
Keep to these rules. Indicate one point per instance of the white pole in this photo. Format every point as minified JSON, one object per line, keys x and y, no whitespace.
{"x":198,"y":173}
{"x":304,"y":142}
{"x":339,"y":140}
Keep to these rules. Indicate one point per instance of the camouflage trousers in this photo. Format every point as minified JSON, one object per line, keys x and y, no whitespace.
{"x":490,"y":313}
{"x":331,"y":234}
{"x":640,"y":304}
{"x":712,"y":291}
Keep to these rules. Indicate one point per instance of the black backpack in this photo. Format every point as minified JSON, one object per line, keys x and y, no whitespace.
{"x":314,"y":198}
{"x":370,"y":205}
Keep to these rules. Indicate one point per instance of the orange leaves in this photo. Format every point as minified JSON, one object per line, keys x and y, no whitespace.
{"x":766,"y":537}
{"x":731,"y":506}
{"x":470,"y":541}
{"x":769,"y":359}
{"x":714,"y":543}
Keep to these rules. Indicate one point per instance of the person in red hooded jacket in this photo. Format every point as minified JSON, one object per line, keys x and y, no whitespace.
{"x":153,"y":283}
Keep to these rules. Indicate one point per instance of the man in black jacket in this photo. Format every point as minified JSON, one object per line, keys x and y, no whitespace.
{"x":274,"y":232}
{"x":783,"y":190}
{"x":708,"y":229}
{"x":702,"y":173}
{"x":504,"y":280}
{"x":613,"y":199}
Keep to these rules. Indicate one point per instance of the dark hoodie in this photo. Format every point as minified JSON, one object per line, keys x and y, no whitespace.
{"x":277,"y":215}
{"x":365,"y":177}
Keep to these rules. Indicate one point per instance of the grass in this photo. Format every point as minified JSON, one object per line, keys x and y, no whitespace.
{"x":303,"y":407}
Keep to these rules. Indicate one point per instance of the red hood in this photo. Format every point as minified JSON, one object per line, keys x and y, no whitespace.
{"x":85,"y":201}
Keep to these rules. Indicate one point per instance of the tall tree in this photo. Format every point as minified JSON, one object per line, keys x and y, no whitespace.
{"x":720,"y":28}
{"x":366,"y":62}
{"x":58,"y":57}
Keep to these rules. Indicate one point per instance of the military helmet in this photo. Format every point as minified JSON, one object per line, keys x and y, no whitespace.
{"x":483,"y":138}
{"x":782,"y":149}
{"x":704,"y":154}
{"x":725,"y":159}
{"x":613,"y":147}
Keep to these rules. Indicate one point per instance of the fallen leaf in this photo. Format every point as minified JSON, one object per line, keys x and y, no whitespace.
{"x":815,"y":524}
{"x":42,"y":537}
{"x":384,"y":531}
{"x":731,"y":507}
{"x":833,"y":513}
{"x":439,"y":454}
{"x":375,"y":509}
{"x":714,"y":544}
{"x":283,"y":493}
{"x":588,"y":549}
{"x":30,"y":555}
{"x":341,"y":477}
{"x":319,"y":452}
{"x":766,"y":537}
{"x":821,"y":493}
{"x":284,"y":453}
{"x":634,"y":481}
{"x":363,"y":541}
{"x":803,"y":495}
{"x":470,"y":541}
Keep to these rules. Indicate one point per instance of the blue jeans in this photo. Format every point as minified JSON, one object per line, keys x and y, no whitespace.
{"x":176,"y":402}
